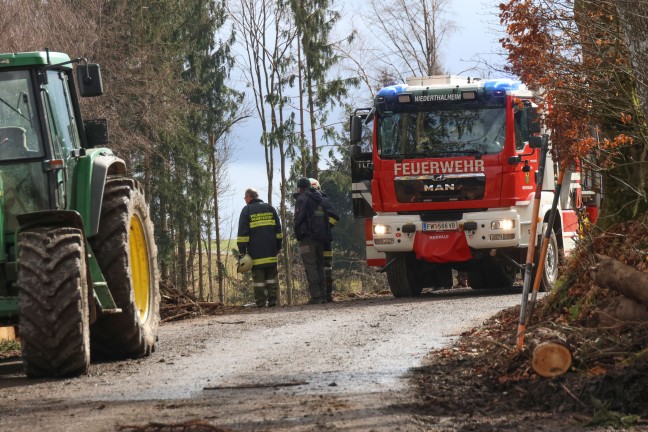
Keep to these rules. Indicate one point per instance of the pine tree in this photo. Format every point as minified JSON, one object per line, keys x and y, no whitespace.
{"x":315,"y":20}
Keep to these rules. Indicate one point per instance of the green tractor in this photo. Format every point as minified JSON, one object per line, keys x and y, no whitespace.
{"x":78,"y":261}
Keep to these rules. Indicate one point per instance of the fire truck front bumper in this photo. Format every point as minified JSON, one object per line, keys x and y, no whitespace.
{"x":482,"y":230}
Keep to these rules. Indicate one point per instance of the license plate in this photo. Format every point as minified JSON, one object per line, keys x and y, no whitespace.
{"x":439,"y":226}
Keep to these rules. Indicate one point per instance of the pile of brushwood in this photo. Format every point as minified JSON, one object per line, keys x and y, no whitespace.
{"x":178,"y":305}
{"x":484,"y":382}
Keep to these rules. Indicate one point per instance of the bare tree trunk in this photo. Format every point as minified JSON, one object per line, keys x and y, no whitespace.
{"x":182,"y":260}
{"x":174,"y":274}
{"x":313,"y":124}
{"x":210,"y":266}
{"x":212,"y":157}
{"x":302,"y":131}
{"x":164,"y":267}
{"x":191,"y":275}
{"x":201,"y":285}
{"x":284,"y":212}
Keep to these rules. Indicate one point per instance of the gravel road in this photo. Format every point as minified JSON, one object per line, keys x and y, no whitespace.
{"x":341,"y":366}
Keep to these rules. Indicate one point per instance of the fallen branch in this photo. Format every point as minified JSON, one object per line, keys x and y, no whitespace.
{"x":209,"y":304}
{"x":572,"y":395}
{"x":170,"y":307}
{"x":177,"y":317}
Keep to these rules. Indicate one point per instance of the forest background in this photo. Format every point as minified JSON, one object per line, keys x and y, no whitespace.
{"x":173,"y":107}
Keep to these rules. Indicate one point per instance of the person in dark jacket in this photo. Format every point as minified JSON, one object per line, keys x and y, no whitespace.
{"x":333,"y":219}
{"x":312,"y":231}
{"x":259,"y":235}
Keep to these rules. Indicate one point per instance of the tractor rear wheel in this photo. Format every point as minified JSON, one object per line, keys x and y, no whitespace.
{"x":53,"y":293}
{"x":127,"y":255}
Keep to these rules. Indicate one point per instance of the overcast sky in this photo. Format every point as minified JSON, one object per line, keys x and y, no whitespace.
{"x":475,"y":42}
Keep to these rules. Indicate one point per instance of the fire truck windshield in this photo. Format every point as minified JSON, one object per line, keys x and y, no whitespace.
{"x":442,"y":133}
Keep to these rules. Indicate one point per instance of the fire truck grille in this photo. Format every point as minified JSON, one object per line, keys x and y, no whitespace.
{"x":440,"y":188}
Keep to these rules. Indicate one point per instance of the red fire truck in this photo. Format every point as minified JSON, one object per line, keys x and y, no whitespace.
{"x":448,"y":181}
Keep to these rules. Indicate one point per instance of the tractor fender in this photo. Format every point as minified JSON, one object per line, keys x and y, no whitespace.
{"x":63,"y":218}
{"x":94,"y":168}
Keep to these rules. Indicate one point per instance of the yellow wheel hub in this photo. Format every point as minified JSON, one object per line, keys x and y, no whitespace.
{"x":140,"y":270}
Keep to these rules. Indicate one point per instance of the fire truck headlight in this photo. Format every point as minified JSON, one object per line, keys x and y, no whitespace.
{"x":506,"y":224}
{"x":381,"y":229}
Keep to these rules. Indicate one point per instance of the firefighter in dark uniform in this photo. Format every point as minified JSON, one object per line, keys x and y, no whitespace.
{"x":259,"y":235}
{"x":333,"y":219}
{"x":312,"y":231}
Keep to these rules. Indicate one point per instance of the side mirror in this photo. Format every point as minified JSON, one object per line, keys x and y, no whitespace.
{"x":356,"y":129}
{"x":538,"y":141}
{"x":533,"y":121}
{"x":89,"y":80}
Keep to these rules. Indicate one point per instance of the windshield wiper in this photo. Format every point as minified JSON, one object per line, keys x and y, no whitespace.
{"x":14,"y":109}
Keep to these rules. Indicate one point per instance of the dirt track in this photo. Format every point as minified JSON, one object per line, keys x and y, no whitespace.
{"x":341,"y":366}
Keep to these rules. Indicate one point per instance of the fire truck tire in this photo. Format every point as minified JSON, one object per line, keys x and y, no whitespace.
{"x":555,"y":257}
{"x":53,"y":294}
{"x":491,"y":273}
{"x":402,"y":275}
{"x":127,"y":255}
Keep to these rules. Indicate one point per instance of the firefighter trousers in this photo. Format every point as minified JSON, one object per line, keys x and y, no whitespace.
{"x":312,"y":253}
{"x":265,"y":282}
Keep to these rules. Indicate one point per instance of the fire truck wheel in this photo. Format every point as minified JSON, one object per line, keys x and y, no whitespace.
{"x":403,"y":275}
{"x":490,"y":273}
{"x":555,"y":257}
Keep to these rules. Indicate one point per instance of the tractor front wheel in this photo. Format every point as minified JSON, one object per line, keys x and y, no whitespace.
{"x":53,"y":293}
{"x":127,"y":255}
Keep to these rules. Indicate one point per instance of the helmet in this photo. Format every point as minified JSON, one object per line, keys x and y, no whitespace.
{"x":315,"y":184}
{"x":303,"y":183}
{"x":244,"y":264}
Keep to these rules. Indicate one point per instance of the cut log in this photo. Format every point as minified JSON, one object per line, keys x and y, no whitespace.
{"x":622,"y":308}
{"x":613,"y":274}
{"x":551,"y":359}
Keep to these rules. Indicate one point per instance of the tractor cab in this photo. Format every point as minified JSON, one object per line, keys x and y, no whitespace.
{"x":39,"y":131}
